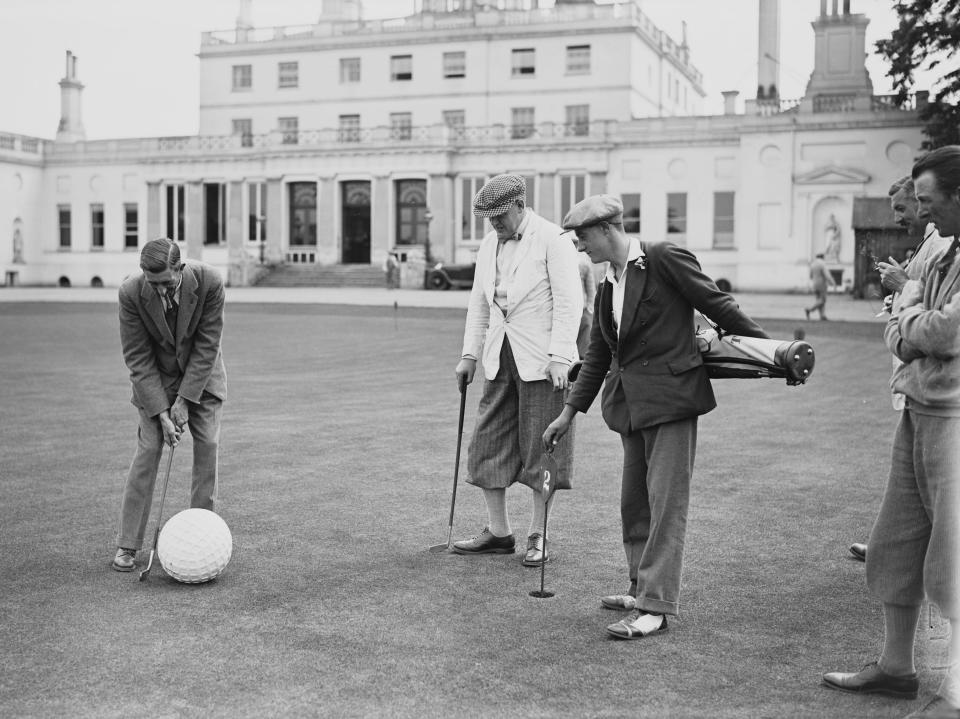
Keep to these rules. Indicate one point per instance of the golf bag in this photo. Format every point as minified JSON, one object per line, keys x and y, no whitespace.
{"x":733,"y":356}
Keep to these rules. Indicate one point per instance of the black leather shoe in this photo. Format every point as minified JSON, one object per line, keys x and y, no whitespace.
{"x":872,"y":680}
{"x":859,"y":551}
{"x":485,"y":543}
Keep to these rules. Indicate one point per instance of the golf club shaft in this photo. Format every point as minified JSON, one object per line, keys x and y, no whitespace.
{"x":163,"y":495}
{"x":456,"y":468}
{"x":543,"y":563}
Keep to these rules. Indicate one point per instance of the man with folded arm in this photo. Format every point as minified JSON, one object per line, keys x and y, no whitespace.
{"x":915,"y":540}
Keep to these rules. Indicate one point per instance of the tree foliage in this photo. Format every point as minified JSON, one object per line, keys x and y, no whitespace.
{"x":927,"y":38}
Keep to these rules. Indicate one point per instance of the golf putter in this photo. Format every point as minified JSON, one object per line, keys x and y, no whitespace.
{"x":156,"y":535}
{"x":438,"y":548}
{"x":548,"y":475}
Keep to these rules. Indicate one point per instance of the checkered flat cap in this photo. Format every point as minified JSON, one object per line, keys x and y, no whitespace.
{"x":496,"y":196}
{"x":598,"y":208}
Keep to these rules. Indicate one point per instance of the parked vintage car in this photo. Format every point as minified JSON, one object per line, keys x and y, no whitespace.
{"x":443,"y":276}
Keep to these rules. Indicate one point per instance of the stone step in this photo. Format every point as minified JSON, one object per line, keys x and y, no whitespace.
{"x":323,"y":276}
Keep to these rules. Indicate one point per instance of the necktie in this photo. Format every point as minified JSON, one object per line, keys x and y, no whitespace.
{"x":171,"y":312}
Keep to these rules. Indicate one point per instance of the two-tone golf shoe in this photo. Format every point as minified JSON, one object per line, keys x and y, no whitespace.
{"x":485,"y":543}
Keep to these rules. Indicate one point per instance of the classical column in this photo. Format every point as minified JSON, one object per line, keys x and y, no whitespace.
{"x":441,"y":227}
{"x":598,"y":183}
{"x":236,"y":236}
{"x":275,"y":241}
{"x":194,"y":220}
{"x":380,"y":232}
{"x":327,"y":231}
{"x":154,"y":227}
{"x":546,"y":201}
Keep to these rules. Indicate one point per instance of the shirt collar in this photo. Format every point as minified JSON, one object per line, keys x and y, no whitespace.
{"x":634,"y":253}
{"x":522,"y":228}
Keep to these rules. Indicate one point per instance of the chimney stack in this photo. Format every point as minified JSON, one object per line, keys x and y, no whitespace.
{"x":71,"y":89}
{"x":768,"y":51}
{"x":730,"y":101}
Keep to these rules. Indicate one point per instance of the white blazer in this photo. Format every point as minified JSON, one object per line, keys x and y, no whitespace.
{"x":544,"y":302}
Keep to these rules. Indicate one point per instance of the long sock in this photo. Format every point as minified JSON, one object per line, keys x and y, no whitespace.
{"x":539,"y":512}
{"x":899,"y":633}
{"x":950,"y":686}
{"x":498,"y":521}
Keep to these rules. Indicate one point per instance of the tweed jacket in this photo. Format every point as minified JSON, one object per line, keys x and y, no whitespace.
{"x":162,"y":364}
{"x":653,"y":372}
{"x":544,"y":302}
{"x":924,"y":334}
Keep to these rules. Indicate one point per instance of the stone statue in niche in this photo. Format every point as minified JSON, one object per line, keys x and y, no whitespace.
{"x":832,"y":237}
{"x":17,"y":247}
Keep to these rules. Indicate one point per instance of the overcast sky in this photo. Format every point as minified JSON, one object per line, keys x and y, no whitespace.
{"x":137,"y":58}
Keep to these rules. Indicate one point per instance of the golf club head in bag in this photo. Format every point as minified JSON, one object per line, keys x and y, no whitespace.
{"x":733,"y":356}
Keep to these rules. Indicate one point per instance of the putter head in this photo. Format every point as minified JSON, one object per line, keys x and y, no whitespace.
{"x":540,"y":594}
{"x":146,"y":570}
{"x":439,"y":548}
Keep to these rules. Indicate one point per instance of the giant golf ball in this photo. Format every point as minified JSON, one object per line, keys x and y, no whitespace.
{"x":194,"y":546}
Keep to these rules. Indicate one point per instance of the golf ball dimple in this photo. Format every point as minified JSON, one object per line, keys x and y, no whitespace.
{"x":194,"y":546}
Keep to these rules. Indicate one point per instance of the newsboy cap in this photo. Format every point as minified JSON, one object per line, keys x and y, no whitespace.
{"x":496,"y":196}
{"x":594,"y":209}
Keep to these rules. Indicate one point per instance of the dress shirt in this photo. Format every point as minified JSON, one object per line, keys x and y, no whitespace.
{"x":506,"y":249}
{"x":634,"y":252}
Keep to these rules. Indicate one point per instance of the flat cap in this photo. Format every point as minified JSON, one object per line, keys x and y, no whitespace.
{"x":594,"y":209}
{"x":495,"y":197}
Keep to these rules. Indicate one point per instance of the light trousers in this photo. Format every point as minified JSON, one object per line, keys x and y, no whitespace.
{"x":915,"y":541}
{"x":204,"y":426}
{"x":654,"y":497}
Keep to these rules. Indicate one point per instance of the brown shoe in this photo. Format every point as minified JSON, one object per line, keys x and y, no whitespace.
{"x":873,"y":680}
{"x":485,"y":543}
{"x":124,"y":560}
{"x":536,"y":551}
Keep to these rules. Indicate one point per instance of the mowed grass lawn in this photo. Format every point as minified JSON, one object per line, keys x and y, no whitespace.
{"x":337,"y":464}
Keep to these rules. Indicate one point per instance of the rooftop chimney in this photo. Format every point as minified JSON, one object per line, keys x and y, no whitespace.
{"x":768,"y":51}
{"x":71,"y":124}
{"x":839,"y":72}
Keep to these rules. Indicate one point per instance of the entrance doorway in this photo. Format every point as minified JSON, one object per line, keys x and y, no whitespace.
{"x":356,"y":222}
{"x":302,"y":243}
{"x":413,"y":224}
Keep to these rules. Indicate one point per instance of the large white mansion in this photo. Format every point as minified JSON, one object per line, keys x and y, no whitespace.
{"x":335,"y":142}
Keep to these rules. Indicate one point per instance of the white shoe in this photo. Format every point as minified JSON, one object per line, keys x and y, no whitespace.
{"x":619,"y":601}
{"x":637,"y":625}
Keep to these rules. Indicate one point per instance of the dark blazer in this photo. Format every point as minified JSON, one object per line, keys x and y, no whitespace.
{"x":163,"y":365}
{"x":654,"y":372}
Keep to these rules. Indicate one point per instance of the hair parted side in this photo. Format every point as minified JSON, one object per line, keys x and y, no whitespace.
{"x":944,"y":163}
{"x":159,"y":255}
